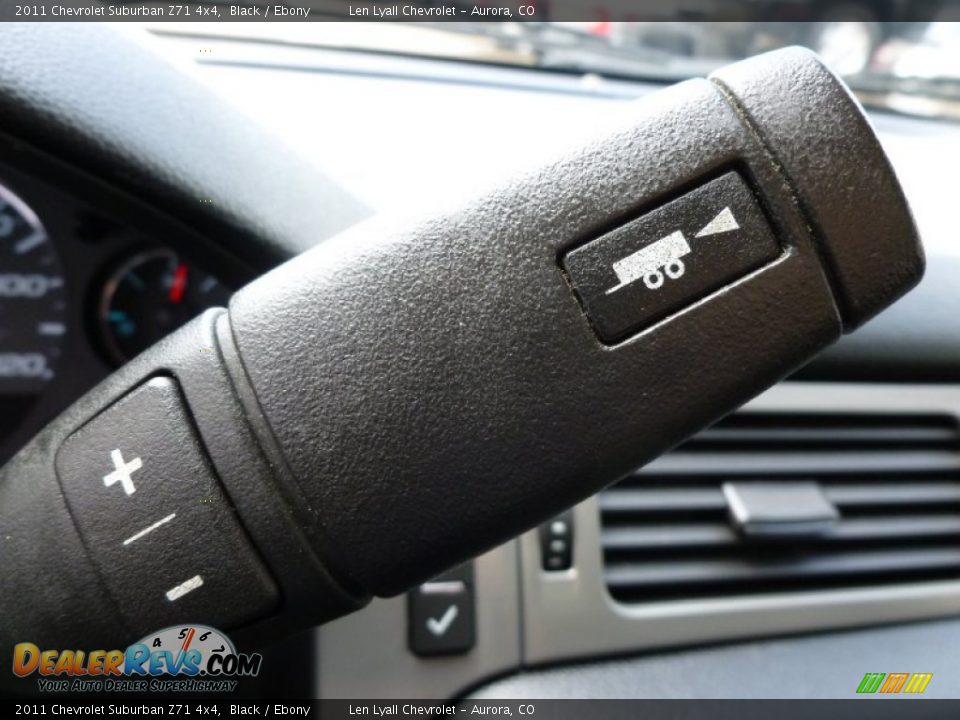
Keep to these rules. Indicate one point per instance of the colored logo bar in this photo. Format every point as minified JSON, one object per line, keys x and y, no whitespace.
{"x":892,"y":683}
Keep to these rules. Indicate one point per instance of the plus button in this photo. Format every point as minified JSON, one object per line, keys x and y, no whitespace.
{"x":122,"y":472}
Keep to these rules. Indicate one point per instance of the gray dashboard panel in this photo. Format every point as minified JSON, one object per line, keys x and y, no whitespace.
{"x":366,"y":654}
{"x":917,"y":339}
{"x":569,"y":615}
{"x":813,"y":667}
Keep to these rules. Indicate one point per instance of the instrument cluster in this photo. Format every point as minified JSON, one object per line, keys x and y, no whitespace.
{"x":80,"y":294}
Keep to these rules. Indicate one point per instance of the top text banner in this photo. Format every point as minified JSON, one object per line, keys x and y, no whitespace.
{"x":592,"y":14}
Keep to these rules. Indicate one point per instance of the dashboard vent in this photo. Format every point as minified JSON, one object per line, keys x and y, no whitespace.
{"x":893,"y":483}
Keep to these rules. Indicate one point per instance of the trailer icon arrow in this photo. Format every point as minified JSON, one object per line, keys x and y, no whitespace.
{"x":723,"y":222}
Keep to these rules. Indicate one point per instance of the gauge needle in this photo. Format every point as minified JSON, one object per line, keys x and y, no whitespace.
{"x":179,"y":284}
{"x":184,"y":648}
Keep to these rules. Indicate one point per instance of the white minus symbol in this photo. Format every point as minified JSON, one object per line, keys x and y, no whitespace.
{"x":149,"y":529}
{"x":183,"y":588}
{"x":51,"y":328}
{"x":443,"y":587}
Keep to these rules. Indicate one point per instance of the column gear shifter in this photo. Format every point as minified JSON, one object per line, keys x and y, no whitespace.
{"x":400,"y":399}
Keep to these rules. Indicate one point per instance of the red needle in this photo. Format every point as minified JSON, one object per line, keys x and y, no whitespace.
{"x":186,"y":641}
{"x":179,"y":284}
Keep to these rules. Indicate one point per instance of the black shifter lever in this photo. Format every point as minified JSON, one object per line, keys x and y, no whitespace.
{"x":402,"y":398}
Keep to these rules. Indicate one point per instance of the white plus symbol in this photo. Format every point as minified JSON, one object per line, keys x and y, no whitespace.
{"x":122,"y":472}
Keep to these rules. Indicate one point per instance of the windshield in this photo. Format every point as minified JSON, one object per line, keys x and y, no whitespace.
{"x":910,"y":67}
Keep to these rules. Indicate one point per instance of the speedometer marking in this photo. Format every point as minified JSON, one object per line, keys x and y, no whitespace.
{"x":51,"y":328}
{"x":208,"y":284}
{"x":32,"y":301}
{"x":28,"y":243}
{"x":151,"y":295}
{"x":135,"y":280}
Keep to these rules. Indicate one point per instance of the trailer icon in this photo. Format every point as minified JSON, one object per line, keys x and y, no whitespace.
{"x":651,"y":262}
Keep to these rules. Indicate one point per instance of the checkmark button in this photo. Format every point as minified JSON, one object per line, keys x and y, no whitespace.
{"x":439,"y":626}
{"x":442,"y":614}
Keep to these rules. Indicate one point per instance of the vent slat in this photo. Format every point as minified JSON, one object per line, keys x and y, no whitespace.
{"x":668,"y":536}
{"x":829,"y":436}
{"x":921,"y":493}
{"x":895,"y":481}
{"x":634,"y":499}
{"x":896,"y":528}
{"x":763,"y":462}
{"x":658,"y":500}
{"x":714,"y":535}
{"x":831,"y":427}
{"x":640,"y":575}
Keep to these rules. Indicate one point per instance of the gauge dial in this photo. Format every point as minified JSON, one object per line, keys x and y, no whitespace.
{"x":32,"y":300}
{"x":151,"y":295}
{"x":202,"y":641}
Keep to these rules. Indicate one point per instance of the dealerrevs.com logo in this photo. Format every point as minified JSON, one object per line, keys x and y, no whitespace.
{"x":191,"y":658}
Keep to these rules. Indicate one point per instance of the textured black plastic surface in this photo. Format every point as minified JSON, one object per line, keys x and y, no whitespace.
{"x":51,"y":592}
{"x":435,"y":388}
{"x":917,"y":340}
{"x":837,"y":172}
{"x":154,"y":518}
{"x":670,"y":257}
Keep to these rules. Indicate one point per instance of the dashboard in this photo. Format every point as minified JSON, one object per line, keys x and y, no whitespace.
{"x":89,"y":279}
{"x":80,"y":294}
